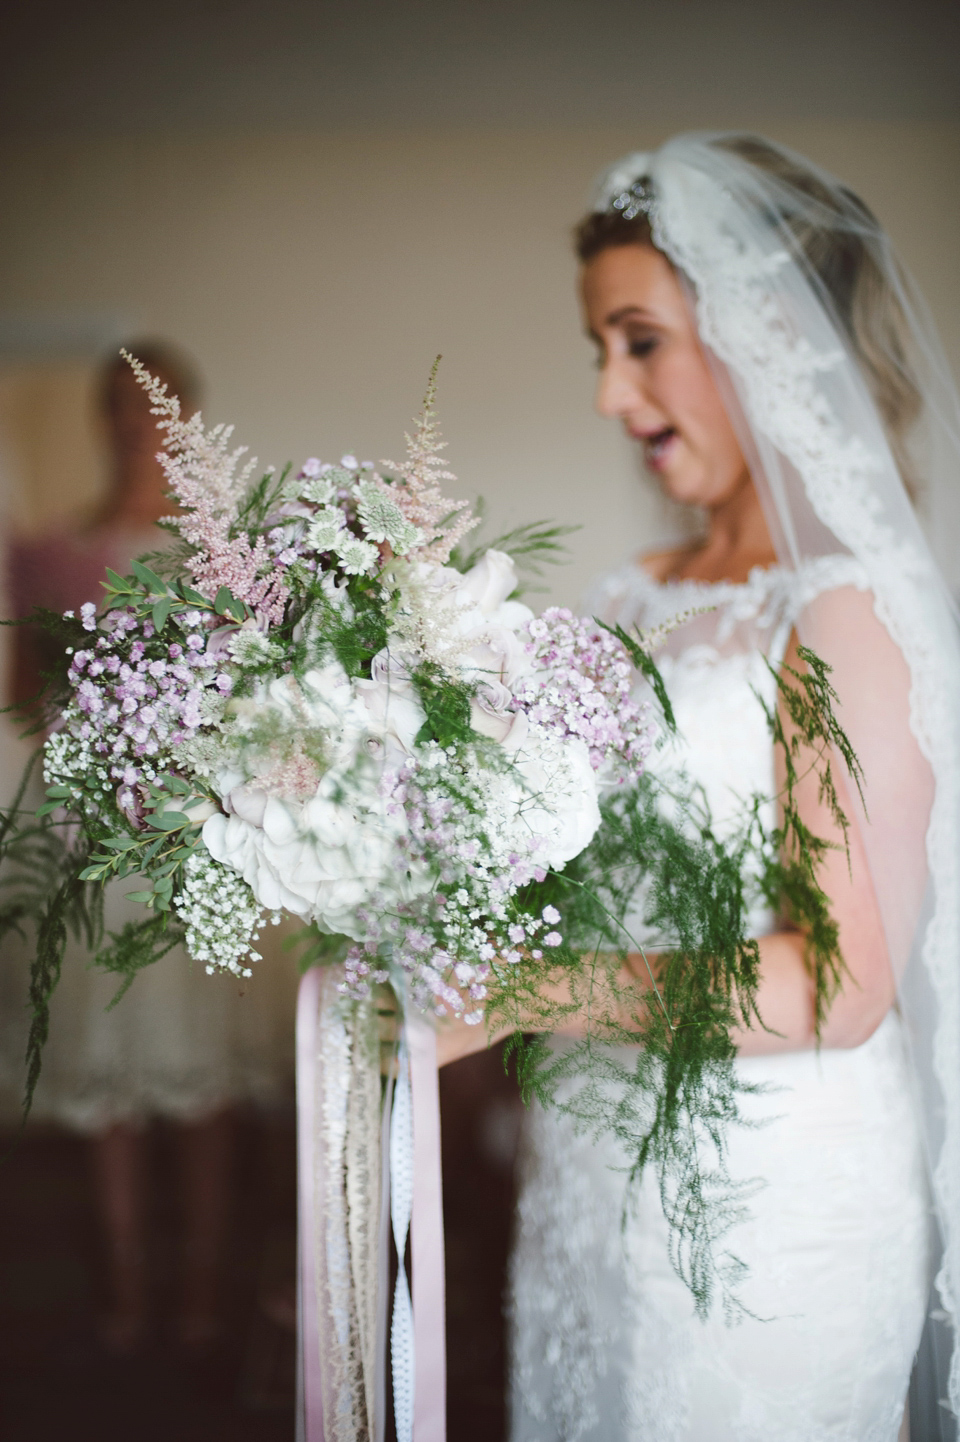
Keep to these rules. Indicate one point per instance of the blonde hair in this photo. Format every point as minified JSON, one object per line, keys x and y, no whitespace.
{"x":847,"y":256}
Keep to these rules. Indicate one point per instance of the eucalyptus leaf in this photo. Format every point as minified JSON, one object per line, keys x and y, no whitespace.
{"x":169,"y":821}
{"x":161,"y":612}
{"x":150,"y":579}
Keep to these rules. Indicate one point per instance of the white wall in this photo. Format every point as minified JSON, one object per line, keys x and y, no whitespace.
{"x":315,"y":276}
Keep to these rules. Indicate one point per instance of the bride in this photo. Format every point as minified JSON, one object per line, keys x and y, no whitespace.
{"x":757,"y":338}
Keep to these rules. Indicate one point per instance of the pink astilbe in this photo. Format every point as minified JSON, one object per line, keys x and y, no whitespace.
{"x":203,"y":474}
{"x":234,"y":563}
{"x":417,"y":492}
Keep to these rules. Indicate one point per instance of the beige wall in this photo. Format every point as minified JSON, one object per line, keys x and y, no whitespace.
{"x":314,"y":277}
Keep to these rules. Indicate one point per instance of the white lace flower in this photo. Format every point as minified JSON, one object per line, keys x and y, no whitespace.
{"x":355,"y":556}
{"x":383,"y":520}
{"x":320,"y":489}
{"x":324,"y":531}
{"x":248,"y":646}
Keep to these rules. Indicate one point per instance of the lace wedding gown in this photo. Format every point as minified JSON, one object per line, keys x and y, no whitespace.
{"x":606,"y":1344}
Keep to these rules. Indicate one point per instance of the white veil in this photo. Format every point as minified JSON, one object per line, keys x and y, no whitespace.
{"x":833,"y":372}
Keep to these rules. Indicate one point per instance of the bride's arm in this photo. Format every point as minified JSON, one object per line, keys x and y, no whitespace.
{"x":899,"y":792}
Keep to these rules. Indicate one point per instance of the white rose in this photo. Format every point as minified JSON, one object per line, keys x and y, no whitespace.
{"x":324,"y":853}
{"x":490,"y":715}
{"x":556,"y":794}
{"x":393,"y":708}
{"x":488,"y":584}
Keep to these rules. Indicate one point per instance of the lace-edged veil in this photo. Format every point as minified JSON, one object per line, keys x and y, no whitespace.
{"x":833,"y":374}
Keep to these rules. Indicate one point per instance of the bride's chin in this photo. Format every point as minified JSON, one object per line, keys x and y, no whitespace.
{"x":683,"y":490}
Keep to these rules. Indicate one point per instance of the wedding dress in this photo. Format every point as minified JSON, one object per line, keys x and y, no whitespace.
{"x":833,"y":377}
{"x":606,"y":1341}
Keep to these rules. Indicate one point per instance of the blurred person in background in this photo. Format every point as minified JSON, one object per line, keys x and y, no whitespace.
{"x":181,"y":1046}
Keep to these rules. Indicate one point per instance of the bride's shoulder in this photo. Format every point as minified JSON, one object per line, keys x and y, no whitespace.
{"x":630,"y":594}
{"x":643,"y":571}
{"x":660,"y":565}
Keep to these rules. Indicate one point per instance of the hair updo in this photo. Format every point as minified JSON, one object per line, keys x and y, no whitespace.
{"x":845,"y":252}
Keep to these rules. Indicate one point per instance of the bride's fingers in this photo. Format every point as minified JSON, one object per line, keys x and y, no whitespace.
{"x":456,"y":1039}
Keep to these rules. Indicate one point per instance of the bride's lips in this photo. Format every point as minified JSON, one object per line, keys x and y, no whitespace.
{"x":657,"y":446}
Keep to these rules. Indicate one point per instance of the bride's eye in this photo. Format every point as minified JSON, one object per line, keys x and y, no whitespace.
{"x":641,"y":346}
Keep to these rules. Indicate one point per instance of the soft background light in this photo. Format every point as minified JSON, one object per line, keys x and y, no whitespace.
{"x":316,"y":200}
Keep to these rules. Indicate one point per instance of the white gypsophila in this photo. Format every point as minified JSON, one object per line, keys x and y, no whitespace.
{"x":383,"y":520}
{"x":67,"y":757}
{"x":324,"y":530}
{"x":71,"y":759}
{"x":221,"y":915}
{"x":509,"y":822}
{"x":314,"y":837}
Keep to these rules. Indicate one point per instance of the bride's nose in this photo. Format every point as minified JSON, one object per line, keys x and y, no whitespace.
{"x":617,"y":391}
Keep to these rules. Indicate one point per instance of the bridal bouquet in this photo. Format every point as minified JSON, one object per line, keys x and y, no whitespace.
{"x":318,"y":714}
{"x":314,"y":702}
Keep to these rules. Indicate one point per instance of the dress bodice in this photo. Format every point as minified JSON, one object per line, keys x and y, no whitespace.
{"x":718,"y":667}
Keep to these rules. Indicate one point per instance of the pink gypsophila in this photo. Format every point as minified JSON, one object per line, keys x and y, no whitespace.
{"x":582,"y":687}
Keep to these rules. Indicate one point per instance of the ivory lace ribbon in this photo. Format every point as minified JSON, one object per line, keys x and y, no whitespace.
{"x":348,"y":1139}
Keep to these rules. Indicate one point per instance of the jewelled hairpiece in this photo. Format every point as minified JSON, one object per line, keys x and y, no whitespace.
{"x":639,"y":198}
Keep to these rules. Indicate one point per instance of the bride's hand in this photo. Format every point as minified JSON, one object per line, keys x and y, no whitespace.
{"x":456,"y":1039}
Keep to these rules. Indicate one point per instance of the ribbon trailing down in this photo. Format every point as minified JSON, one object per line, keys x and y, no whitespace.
{"x":402,"y":1339}
{"x":309,"y":1384}
{"x":430,"y":1406}
{"x":349,"y":1135}
{"x":338,"y":1104}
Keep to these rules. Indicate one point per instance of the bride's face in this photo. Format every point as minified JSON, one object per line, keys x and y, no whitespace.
{"x":655,"y":378}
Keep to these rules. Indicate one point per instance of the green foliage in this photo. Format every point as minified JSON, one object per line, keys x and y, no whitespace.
{"x":671,"y":1099}
{"x":158,"y":851}
{"x":138,"y":944}
{"x":43,"y":897}
{"x":356,"y":639}
{"x":51,"y":634}
{"x":795,"y":853}
{"x":446,"y":704}
{"x":647,"y":667}
{"x":151,"y":597}
{"x":261,"y":499}
{"x":531,"y":547}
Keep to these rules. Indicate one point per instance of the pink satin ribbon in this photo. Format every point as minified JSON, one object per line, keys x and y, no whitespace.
{"x":311,"y":1402}
{"x":430,"y":1376}
{"x":430,"y":1393}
